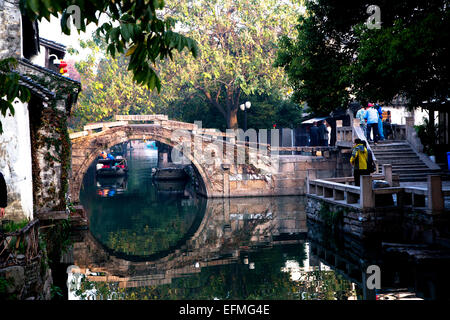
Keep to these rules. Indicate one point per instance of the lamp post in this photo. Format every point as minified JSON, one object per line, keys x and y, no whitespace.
{"x":244,"y":108}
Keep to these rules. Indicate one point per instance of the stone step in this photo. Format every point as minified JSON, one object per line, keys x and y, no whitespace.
{"x":407,"y":171}
{"x":397,"y":155}
{"x":414,"y":177}
{"x":399,"y":158}
{"x":410,"y":166}
{"x":391,"y":147}
{"x":394,"y":151}
{"x":400,"y":162}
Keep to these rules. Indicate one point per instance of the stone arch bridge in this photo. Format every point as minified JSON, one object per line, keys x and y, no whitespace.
{"x":227,"y":168}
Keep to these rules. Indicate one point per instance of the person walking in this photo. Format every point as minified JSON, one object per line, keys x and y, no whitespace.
{"x":359,"y":161}
{"x":380,"y":121}
{"x":3,"y":196}
{"x":372,"y":122}
{"x":323,"y":134}
{"x":314,"y":135}
{"x":362,"y":122}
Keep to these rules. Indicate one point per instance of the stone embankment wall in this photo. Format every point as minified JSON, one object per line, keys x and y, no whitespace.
{"x":363,"y":224}
{"x":31,"y":281}
{"x":291,"y":176}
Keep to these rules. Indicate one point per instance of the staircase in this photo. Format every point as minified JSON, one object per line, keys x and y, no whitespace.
{"x":405,"y":161}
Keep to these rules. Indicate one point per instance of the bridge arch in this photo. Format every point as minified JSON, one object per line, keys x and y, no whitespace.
{"x":87,"y":148}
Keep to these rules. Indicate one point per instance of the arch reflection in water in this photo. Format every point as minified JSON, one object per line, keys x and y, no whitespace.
{"x":242,"y":249}
{"x":131,"y":216}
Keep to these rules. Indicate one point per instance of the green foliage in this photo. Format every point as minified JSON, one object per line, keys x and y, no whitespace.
{"x":56,"y":293}
{"x":409,"y":57}
{"x":12,"y":226}
{"x":335,"y":55}
{"x":108,"y":88}
{"x":55,"y":240}
{"x":313,"y":68}
{"x":134,"y":28}
{"x":209,"y":88}
{"x":237,"y":45}
{"x":10,"y":88}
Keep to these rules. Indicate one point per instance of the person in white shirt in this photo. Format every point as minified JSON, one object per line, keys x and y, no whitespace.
{"x":372,"y":122}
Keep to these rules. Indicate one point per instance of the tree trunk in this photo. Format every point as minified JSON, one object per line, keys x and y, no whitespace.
{"x":232,"y":121}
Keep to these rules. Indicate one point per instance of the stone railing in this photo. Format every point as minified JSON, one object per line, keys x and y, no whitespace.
{"x":20,"y":247}
{"x":344,"y":136}
{"x":340,"y":191}
{"x":104,"y":125}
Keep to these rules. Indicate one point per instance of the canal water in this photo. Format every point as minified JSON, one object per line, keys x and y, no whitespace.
{"x":150,"y":240}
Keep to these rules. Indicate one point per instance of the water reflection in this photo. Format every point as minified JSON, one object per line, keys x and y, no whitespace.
{"x":111,"y":186}
{"x":245,"y":248}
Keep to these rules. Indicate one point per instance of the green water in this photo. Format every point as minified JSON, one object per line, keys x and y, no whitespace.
{"x":147,"y":243}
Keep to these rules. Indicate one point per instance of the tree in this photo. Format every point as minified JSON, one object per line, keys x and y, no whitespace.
{"x":336,"y":55}
{"x":408,"y":56}
{"x":108,"y":88}
{"x":133,"y":27}
{"x":237,"y":45}
{"x":313,"y":67}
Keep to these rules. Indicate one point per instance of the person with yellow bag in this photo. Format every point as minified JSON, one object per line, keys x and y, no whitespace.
{"x":359,"y":160}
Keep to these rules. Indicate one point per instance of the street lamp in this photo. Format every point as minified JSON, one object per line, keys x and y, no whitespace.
{"x":244,"y":108}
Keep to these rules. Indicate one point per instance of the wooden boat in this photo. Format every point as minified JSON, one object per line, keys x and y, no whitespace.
{"x":111,"y":167}
{"x":170,"y":173}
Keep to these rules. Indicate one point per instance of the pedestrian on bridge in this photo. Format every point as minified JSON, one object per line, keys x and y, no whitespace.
{"x":380,"y":121}
{"x":323,"y":134}
{"x":362,"y":122}
{"x":314,"y":135}
{"x":359,"y":160}
{"x":372,"y":117}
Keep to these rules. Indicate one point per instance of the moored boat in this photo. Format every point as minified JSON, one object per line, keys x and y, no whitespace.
{"x":170,"y":173}
{"x":111,"y":167}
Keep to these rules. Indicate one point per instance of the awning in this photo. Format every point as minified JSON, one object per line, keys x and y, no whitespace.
{"x":313,"y":120}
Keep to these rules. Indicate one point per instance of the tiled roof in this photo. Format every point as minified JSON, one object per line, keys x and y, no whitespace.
{"x":36,"y":88}
{"x":52,"y":44}
{"x":28,"y":63}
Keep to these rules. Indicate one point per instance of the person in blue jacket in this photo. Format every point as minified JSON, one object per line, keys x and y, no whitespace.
{"x":380,"y":121}
{"x":372,"y":117}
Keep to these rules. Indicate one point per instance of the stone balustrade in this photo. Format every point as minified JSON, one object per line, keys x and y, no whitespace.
{"x":340,"y":191}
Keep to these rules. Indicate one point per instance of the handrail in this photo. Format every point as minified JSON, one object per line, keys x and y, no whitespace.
{"x":21,"y":242}
{"x":415,"y":197}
